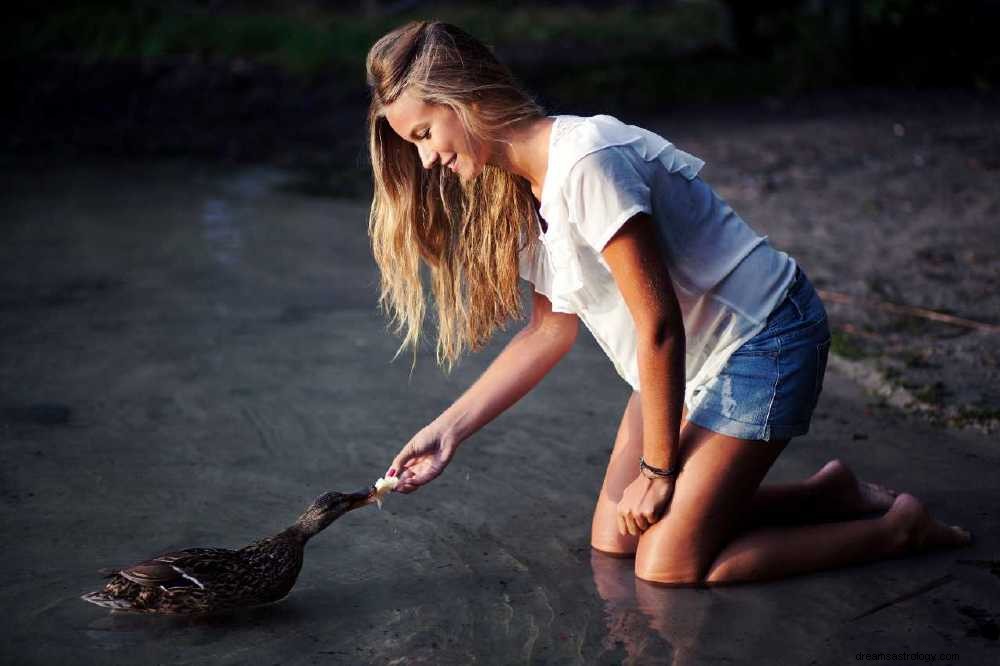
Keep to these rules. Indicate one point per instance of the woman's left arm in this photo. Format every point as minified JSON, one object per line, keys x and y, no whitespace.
{"x":635,"y":260}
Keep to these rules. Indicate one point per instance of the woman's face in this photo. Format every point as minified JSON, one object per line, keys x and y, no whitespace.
{"x":437,"y":132}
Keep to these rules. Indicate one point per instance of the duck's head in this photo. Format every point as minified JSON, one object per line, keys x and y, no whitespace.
{"x":329,"y":506}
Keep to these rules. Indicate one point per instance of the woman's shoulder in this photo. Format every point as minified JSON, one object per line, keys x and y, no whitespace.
{"x":575,"y":137}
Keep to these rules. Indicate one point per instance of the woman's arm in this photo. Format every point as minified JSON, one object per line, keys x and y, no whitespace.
{"x":528,"y":357}
{"x":638,"y":269}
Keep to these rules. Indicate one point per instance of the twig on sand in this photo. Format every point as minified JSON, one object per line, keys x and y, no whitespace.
{"x":836,"y":297}
{"x":927,"y":587}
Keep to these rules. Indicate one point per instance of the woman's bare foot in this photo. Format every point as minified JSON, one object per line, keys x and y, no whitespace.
{"x":848,"y":496}
{"x":918,"y":530}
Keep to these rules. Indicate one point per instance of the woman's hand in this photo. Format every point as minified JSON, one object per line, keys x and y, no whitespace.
{"x":642,"y":504}
{"x":422,"y":459}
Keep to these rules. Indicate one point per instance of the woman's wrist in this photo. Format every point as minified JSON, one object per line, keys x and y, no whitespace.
{"x":448,"y":432}
{"x":653,"y":472}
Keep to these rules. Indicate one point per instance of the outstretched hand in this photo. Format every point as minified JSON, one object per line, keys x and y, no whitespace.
{"x":422,"y":459}
{"x":643,"y":503}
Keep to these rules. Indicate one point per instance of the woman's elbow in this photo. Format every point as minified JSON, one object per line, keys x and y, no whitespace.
{"x":559,"y":331}
{"x":662,"y":332}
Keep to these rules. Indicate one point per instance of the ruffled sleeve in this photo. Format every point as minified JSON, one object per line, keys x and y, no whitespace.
{"x":552,"y":267}
{"x":589,"y":193}
{"x":605,"y":190}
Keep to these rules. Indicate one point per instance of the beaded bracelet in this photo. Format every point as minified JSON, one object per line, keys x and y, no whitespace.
{"x":647,"y":469}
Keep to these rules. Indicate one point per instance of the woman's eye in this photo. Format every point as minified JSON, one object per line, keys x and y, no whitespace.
{"x":425,"y":135}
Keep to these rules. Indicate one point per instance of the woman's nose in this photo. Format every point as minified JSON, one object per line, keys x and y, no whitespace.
{"x":427,"y":156}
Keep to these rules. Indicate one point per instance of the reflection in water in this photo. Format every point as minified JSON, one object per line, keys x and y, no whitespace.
{"x":634,"y":610}
{"x":220,"y":215}
{"x":122,"y":629}
{"x":222,"y":234}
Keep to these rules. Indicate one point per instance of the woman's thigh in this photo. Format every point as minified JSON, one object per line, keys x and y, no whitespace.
{"x":604,"y":534}
{"x":712,"y":494}
{"x":623,"y":468}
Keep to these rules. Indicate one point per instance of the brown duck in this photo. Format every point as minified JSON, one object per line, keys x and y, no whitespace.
{"x":205,"y":580}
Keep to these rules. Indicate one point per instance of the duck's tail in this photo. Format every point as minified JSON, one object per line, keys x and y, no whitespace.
{"x":102,"y":598}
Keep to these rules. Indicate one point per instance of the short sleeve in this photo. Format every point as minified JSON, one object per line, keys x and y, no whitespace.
{"x":603,"y":191}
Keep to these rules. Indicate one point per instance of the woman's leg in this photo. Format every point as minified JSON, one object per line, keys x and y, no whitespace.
{"x":776,"y":552}
{"x":622,"y":469}
{"x":711,"y":501}
{"x":831,"y":493}
{"x":700,"y":538}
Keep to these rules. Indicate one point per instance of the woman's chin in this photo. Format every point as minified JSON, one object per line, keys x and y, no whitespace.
{"x":472,"y":173}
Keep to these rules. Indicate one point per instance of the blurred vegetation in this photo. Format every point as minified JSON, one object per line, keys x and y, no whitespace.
{"x":284,"y":81}
{"x":640,"y":53}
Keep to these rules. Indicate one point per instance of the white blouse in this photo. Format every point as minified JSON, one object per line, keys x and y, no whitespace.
{"x":727,"y":278}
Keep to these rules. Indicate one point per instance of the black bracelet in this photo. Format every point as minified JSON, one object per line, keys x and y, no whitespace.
{"x":644,"y":466}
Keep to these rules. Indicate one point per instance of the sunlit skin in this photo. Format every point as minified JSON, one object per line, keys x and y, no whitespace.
{"x":684,"y":530}
{"x":437,"y":133}
{"x":638,"y":269}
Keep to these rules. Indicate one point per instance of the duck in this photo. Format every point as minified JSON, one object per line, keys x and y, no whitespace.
{"x":197,"y":581}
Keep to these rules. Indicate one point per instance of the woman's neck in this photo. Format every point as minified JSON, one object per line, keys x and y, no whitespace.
{"x":527,"y":154}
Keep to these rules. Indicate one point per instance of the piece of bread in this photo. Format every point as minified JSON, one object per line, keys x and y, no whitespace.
{"x":383,"y":487}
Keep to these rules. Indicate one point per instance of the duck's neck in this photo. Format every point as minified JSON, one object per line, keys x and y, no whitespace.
{"x":297,"y":533}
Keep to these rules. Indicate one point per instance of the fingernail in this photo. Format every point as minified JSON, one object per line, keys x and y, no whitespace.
{"x":392,"y":472}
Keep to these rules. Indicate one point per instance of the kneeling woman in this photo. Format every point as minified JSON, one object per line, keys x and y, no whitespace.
{"x":721,"y":336}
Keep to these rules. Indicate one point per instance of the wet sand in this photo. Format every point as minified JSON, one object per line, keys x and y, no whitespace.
{"x":190,"y":354}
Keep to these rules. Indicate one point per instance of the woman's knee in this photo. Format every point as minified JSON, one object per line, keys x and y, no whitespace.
{"x":671,"y":568}
{"x":604,"y":534}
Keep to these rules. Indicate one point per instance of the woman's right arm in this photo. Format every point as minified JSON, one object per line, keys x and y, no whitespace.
{"x":523,"y":363}
{"x":526,"y":359}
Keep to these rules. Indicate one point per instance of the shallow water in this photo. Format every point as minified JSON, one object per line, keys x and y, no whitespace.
{"x":191,"y":354}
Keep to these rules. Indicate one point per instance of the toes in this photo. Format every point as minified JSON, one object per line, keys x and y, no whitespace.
{"x":892,"y":492}
{"x":834,"y":471}
{"x":963,"y":535}
{"x":874,"y":497}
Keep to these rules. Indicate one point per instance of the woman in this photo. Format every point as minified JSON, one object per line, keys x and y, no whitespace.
{"x":611,"y":223}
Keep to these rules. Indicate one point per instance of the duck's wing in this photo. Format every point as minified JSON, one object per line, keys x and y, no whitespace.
{"x":191,"y":567}
{"x":109,"y":572}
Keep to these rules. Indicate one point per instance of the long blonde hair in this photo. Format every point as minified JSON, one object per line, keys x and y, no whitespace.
{"x":468,"y":234}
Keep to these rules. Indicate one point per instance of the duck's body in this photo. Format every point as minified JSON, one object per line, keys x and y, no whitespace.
{"x":203,"y":580}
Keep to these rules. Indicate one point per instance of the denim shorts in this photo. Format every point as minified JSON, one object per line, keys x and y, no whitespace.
{"x":769,"y":387}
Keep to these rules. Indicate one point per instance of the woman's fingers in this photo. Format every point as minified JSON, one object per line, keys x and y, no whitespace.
{"x":406,"y":458}
{"x":416,"y":472}
{"x":633,"y":529}
{"x":634,"y":524}
{"x":425,"y":474}
{"x":405,"y":488}
{"x":399,"y":461}
{"x":626,"y":524}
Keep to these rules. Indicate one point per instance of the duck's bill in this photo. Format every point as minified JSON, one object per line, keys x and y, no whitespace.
{"x":362,"y":497}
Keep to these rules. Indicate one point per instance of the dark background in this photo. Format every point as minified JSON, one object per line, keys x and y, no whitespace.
{"x":283,"y":82}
